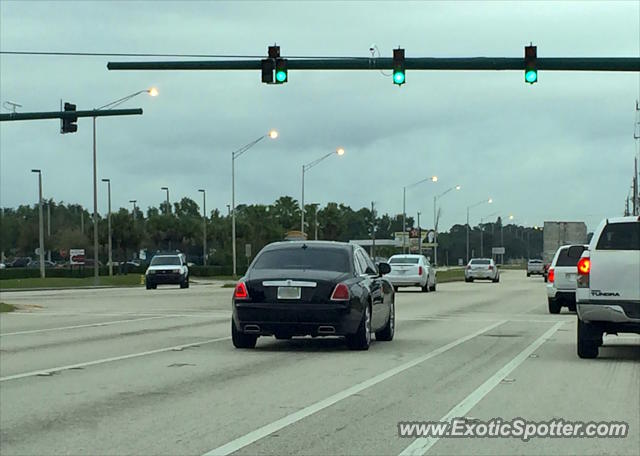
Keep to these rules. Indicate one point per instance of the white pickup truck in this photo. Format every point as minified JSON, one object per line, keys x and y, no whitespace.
{"x":608,"y":283}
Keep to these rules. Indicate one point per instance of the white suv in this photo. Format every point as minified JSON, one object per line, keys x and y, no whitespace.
{"x":608,"y":293}
{"x":411,"y":271}
{"x":562,"y":277}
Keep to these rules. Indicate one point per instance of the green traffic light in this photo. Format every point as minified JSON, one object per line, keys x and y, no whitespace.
{"x":531,"y":76}
{"x":398,"y":77}
{"x":281,"y":76}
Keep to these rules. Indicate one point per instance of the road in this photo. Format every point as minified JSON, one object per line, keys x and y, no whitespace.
{"x":131,"y":371}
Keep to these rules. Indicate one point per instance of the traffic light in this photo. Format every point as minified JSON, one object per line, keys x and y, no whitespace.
{"x":530,"y":64}
{"x":274,"y":69}
{"x":281,"y":71}
{"x":398,"y":66}
{"x":69,"y":123}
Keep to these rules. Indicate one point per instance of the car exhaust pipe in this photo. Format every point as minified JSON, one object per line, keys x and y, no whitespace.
{"x":326,"y":330}
{"x":251,"y":329}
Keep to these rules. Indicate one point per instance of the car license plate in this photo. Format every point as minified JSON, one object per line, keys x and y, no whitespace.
{"x":572,"y":277}
{"x":288,"y":292}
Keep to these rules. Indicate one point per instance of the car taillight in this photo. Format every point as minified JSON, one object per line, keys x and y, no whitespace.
{"x":241,"y":291}
{"x":340,"y":293}
{"x":490,"y":268}
{"x":552,"y":275}
{"x":419,"y":270}
{"x":468,"y":266}
{"x":584,"y":268}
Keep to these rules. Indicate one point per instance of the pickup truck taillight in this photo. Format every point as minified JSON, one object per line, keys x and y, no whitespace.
{"x":584,"y":269}
{"x":419,"y":270}
{"x":552,"y":275}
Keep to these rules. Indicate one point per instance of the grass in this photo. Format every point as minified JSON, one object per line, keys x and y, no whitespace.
{"x":450,"y":275}
{"x":63,"y":282}
{"x":4,"y":307}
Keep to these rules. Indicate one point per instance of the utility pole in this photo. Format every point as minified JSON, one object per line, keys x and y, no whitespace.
{"x":49,"y":228}
{"x":204,"y":226}
{"x":40,"y":222}
{"x":373,"y":231}
{"x":419,"y":236}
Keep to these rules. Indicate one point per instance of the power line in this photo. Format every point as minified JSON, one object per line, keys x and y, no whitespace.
{"x":130,"y":54}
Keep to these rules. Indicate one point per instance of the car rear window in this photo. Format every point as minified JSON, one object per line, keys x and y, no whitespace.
{"x":535,"y":261}
{"x":404,"y":260}
{"x":620,"y":236}
{"x":565,"y":260}
{"x":480,"y":261}
{"x":308,"y":258}
{"x":165,"y":261}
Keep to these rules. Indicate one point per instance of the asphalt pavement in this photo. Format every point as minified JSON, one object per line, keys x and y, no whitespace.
{"x":135,"y":371}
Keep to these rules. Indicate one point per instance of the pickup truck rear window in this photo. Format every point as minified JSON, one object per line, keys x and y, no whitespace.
{"x":620,"y":236}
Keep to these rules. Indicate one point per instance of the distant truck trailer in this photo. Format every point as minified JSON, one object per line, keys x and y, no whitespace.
{"x":557,"y":234}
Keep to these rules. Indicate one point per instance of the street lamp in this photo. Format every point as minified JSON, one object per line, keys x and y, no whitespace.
{"x":134,"y":209}
{"x":204,"y":226}
{"x":168,"y":207}
{"x":404,"y":207}
{"x":152,"y":92}
{"x":108,"y":181}
{"x":490,"y":200}
{"x":273,"y":134}
{"x":340,"y":152}
{"x":41,"y":222}
{"x":435,"y":222}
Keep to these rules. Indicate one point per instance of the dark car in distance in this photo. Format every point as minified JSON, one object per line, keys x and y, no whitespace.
{"x":317,"y":288}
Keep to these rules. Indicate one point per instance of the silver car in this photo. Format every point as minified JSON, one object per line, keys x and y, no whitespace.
{"x":481,"y":269}
{"x":411,"y":271}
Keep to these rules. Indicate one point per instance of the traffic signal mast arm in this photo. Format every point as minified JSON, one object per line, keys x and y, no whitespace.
{"x":68,"y":114}
{"x":410,"y":63}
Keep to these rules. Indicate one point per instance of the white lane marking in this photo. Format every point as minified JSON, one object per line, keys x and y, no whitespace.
{"x":270,"y":428}
{"x":421,"y":445}
{"x":109,"y":360}
{"x":89,"y":325}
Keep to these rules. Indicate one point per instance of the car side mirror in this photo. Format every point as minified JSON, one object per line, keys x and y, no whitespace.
{"x":384,"y":268}
{"x":575,"y":252}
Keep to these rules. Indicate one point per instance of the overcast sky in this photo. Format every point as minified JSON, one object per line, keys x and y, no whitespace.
{"x":561,"y":149}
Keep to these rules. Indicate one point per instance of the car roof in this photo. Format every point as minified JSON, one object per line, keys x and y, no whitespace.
{"x":407,"y":255}
{"x":294,"y":244}
{"x":490,"y":259}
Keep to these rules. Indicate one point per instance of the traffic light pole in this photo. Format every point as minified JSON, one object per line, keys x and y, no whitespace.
{"x":410,"y":63}
{"x":13,"y":116}
{"x":96,"y":269}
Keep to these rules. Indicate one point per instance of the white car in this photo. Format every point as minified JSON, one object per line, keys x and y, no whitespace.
{"x":481,"y":269}
{"x":411,"y":271}
{"x":608,"y":293}
{"x":167,"y":269}
{"x":561,"y":280}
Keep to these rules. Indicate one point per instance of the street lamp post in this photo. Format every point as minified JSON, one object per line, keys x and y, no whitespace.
{"x":204,"y":226}
{"x":273,"y":134}
{"x":168,"y":206}
{"x":153,"y":92}
{"x":41,"y":222}
{"x":404,"y":208}
{"x":339,"y":151}
{"x":108,"y":181}
{"x":435,"y":221}
{"x":133,"y":213}
{"x":468,"y":208}
{"x":419,"y":236}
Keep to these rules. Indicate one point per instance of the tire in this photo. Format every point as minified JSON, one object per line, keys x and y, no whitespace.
{"x":528,"y":275}
{"x":496,"y":280}
{"x":554,"y":306}
{"x":149,"y":286}
{"x":433,"y":287}
{"x":426,"y":287}
{"x":386,"y":333}
{"x":545,"y":279}
{"x":241,"y":340}
{"x":185,"y":283}
{"x":282,"y":336}
{"x":361,"y":340}
{"x":589,"y":339}
{"x":572,"y":307}
{"x":395,"y":288}
{"x":471,"y":279}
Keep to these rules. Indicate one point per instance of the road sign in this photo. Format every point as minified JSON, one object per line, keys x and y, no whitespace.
{"x":497,"y":250}
{"x":247,"y":250}
{"x":76,"y":256}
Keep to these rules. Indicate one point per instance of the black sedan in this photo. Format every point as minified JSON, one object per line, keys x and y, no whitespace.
{"x":317,"y":288}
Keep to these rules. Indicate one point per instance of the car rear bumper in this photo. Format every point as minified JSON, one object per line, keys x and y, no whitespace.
{"x":480,"y":275}
{"x":535,"y":272}
{"x":163,"y":279}
{"x":296,"y":319}
{"x":406,"y":280}
{"x":610,"y":312}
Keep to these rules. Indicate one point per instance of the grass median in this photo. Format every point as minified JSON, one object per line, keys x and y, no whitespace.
{"x":450,"y":275}
{"x":4,"y":307}
{"x":63,"y":282}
